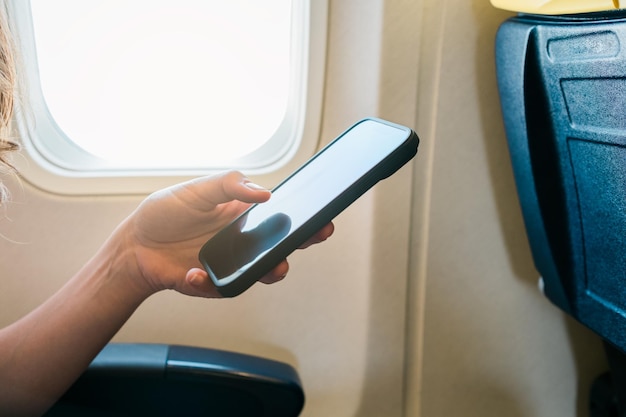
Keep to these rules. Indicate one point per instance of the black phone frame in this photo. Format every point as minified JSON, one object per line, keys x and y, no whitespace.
{"x":383,"y":169}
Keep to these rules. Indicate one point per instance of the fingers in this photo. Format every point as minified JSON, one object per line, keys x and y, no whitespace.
{"x":236,"y":186}
{"x":198,"y":283}
{"x":277,"y":274}
{"x":280,"y":271}
{"x":222,"y":188}
{"x":323,"y":234}
{"x":198,"y":278}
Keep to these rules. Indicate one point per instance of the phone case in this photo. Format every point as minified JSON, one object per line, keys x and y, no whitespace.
{"x":385,"y":168}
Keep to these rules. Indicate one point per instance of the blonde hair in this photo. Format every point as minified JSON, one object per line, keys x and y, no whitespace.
{"x":7,"y":91}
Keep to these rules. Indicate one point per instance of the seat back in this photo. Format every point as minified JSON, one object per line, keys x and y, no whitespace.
{"x":562,"y":83}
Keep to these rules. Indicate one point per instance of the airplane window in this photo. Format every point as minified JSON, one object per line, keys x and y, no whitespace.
{"x":119,"y":87}
{"x":157,"y":83}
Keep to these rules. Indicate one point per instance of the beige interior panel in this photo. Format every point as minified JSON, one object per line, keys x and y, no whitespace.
{"x":425,"y":302}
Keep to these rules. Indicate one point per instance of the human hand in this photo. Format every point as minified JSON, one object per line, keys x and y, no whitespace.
{"x":164,"y":235}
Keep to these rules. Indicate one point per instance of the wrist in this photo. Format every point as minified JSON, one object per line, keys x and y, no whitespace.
{"x":117,"y":259}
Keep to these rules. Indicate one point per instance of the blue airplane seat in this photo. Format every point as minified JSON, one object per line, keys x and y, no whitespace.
{"x":562,"y":85}
{"x":166,"y":380}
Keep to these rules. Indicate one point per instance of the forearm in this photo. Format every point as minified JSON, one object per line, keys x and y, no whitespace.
{"x":42,"y":354}
{"x":156,"y":248}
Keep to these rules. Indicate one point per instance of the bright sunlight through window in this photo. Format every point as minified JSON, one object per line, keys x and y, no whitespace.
{"x":166,"y":84}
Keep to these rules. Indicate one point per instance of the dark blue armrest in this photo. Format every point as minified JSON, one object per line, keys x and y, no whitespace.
{"x":165,"y":380}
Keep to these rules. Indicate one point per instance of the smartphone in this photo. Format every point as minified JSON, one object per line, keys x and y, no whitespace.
{"x":260,"y":238}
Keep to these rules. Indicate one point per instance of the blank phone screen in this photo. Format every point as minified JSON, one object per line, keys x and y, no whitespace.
{"x":319,"y":182}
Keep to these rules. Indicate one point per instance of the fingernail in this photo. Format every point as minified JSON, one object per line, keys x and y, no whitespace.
{"x":195,"y":280}
{"x":253,"y":186}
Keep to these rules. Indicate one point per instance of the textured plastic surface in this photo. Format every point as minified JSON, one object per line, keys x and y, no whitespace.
{"x":164,"y":381}
{"x":562,"y":84}
{"x":554,"y":7}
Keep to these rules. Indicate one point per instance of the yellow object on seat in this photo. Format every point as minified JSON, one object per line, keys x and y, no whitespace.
{"x":554,"y":7}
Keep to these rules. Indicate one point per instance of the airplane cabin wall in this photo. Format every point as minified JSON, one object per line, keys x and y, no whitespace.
{"x":424,"y":303}
{"x":484,"y":341}
{"x":339,"y":317}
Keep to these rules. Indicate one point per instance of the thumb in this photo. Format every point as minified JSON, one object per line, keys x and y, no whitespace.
{"x":225,"y":187}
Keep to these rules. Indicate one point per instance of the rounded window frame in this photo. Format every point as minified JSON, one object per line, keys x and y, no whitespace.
{"x":52,"y":162}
